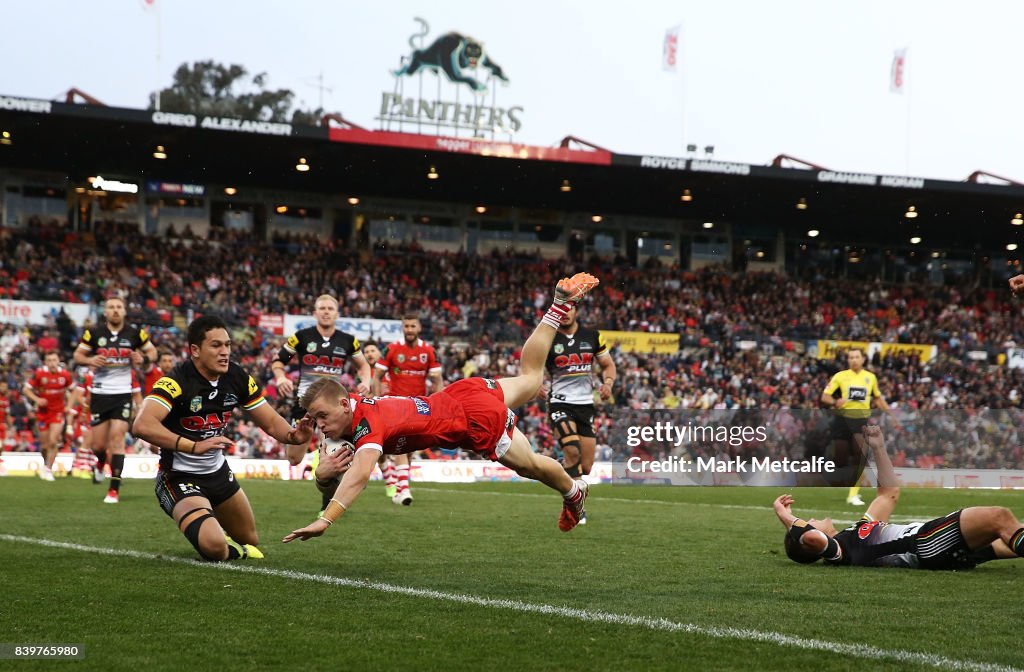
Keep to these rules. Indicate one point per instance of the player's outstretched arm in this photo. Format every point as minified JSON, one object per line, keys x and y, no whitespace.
{"x":888,"y":484}
{"x":347,"y":493}
{"x":783,"y":510}
{"x":271,"y":422}
{"x":365,"y":386}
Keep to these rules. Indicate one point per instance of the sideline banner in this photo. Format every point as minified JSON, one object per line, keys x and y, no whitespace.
{"x":21,"y":313}
{"x":924,"y":352}
{"x":424,"y":471}
{"x":642,"y":341}
{"x":479,"y":471}
{"x":365,"y":329}
{"x":146,"y":466}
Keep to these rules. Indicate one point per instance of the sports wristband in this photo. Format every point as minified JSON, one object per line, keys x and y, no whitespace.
{"x":333,"y":511}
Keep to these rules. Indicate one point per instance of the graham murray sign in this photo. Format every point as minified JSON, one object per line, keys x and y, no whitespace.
{"x":463,"y":92}
{"x":672,"y":163}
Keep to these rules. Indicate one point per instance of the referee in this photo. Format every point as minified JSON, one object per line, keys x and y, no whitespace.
{"x":851,"y":392}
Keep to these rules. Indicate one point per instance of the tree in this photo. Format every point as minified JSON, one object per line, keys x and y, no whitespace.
{"x":307,"y":117}
{"x":209,"y":88}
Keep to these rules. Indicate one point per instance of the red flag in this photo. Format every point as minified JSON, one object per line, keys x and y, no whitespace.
{"x":897,"y":78}
{"x":670,"y":50}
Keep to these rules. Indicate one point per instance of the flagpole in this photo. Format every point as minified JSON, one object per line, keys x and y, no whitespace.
{"x":682,"y":86}
{"x":906,"y":84}
{"x":159,"y":49}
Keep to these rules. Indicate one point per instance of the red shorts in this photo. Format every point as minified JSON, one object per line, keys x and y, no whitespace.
{"x":44,"y":420}
{"x":490,"y":423}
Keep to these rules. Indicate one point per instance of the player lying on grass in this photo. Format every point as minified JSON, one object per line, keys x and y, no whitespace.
{"x":185,"y":414}
{"x":473,"y":413}
{"x":960,"y":540}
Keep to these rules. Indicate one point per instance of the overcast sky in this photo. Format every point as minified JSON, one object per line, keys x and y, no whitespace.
{"x":755,"y":79}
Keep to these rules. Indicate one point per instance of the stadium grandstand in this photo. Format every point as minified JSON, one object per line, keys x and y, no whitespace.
{"x":747,"y":274}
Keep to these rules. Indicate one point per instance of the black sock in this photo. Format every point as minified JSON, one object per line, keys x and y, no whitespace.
{"x":101,"y":458}
{"x":1017,"y":542}
{"x":116,"y":465}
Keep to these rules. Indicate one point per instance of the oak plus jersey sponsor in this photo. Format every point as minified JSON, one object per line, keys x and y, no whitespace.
{"x":408,"y":367}
{"x":318,"y":357}
{"x":117,"y":347}
{"x":200,"y":409}
{"x":570,"y":364}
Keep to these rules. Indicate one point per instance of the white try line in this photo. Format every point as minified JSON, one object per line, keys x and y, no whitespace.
{"x":587,"y":615}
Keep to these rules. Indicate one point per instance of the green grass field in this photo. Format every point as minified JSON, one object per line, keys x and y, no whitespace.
{"x":479,"y":577}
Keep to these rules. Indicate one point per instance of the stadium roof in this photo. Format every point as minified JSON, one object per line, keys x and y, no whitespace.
{"x":82,"y":140}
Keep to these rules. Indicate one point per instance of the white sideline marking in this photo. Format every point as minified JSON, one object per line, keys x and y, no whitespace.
{"x":587,"y":615}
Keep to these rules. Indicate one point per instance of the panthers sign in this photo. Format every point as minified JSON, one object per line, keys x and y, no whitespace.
{"x":465,"y":79}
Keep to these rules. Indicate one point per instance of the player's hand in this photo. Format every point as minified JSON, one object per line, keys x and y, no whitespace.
{"x":605,"y":391}
{"x":285,"y":386}
{"x":314,"y":529}
{"x":212,"y":443}
{"x":99,"y":361}
{"x":840,"y":403}
{"x":364,"y":389}
{"x":333,"y":466}
{"x":43,"y":402}
{"x":137,"y":358}
{"x":874,"y":437}
{"x":302,"y":432}
{"x":783,"y":504}
{"x":1017,"y":284}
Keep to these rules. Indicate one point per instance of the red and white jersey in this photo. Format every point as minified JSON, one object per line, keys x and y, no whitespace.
{"x":154,"y":374}
{"x":398,"y":425}
{"x":468,"y":414}
{"x":408,"y":367}
{"x":52,"y":386}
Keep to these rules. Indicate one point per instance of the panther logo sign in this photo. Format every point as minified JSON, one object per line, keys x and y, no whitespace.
{"x":453,"y":54}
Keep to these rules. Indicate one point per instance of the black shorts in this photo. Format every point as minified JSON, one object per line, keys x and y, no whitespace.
{"x":581,"y":414}
{"x":105,"y":407}
{"x":173,"y":486}
{"x":940,"y":544}
{"x":844,"y":427}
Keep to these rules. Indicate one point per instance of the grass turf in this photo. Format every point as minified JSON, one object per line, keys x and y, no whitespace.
{"x":704,"y":556}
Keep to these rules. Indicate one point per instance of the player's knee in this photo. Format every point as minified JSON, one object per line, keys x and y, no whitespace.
{"x":213,"y":549}
{"x":206,"y":537}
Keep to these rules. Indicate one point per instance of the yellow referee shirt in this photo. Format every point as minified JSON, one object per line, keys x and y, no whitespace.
{"x":858,"y":389}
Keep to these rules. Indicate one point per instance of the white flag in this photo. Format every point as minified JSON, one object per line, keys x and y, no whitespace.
{"x":898,"y":76}
{"x":670,"y":50}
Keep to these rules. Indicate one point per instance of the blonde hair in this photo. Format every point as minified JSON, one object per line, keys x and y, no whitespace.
{"x":329,"y":389}
{"x":326,"y":297}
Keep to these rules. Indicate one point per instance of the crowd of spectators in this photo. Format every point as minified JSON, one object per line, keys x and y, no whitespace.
{"x":742,"y":335}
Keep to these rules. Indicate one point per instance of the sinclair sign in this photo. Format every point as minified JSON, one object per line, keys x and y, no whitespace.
{"x":451,"y":83}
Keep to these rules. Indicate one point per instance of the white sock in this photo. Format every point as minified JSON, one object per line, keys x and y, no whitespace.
{"x":573,"y":492}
